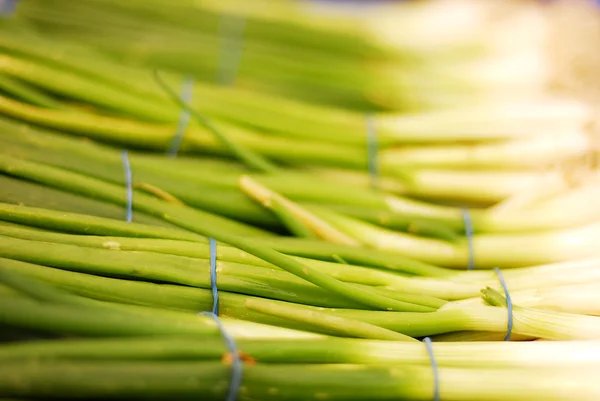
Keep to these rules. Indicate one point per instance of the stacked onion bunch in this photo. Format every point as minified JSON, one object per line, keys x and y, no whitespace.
{"x":404,"y":56}
{"x":520,"y":166}
{"x":127,"y":295}
{"x":327,"y":277}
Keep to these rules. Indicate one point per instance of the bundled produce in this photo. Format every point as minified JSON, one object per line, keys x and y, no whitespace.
{"x":385,"y":57}
{"x":472,"y":156}
{"x":244,"y":245}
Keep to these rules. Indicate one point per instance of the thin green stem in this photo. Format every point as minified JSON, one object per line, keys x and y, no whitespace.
{"x":251,"y":158}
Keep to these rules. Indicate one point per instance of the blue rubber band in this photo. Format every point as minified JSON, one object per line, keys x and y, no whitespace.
{"x":213,"y":275}
{"x":509,"y":305}
{"x":469,"y":233}
{"x":372,"y":151}
{"x":231,"y":29}
{"x":436,"y":380}
{"x":237,"y":370}
{"x":184,"y":116}
{"x":128,"y":184}
{"x":8,"y":7}
{"x":237,"y":366}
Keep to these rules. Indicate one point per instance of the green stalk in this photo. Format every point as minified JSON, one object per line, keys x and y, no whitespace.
{"x":27,"y":92}
{"x":479,"y":336}
{"x":250,"y":158}
{"x":302,"y":217}
{"x":345,"y":327}
{"x":291,"y":222}
{"x":356,"y":255}
{"x":38,"y":290}
{"x":61,"y":319}
{"x":8,"y":292}
{"x":85,"y":224}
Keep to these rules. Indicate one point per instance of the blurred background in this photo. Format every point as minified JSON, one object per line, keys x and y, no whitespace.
{"x":364,"y":55}
{"x":469,"y":102}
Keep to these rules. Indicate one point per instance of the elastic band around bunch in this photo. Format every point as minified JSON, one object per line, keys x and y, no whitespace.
{"x":509,"y":305}
{"x":469,"y":233}
{"x":231,"y":29}
{"x":237,"y":367}
{"x":372,"y":151}
{"x":436,"y":380}
{"x":8,"y":7}
{"x":184,"y":116}
{"x":128,"y":184}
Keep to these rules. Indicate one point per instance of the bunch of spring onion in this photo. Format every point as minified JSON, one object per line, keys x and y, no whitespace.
{"x":323,"y":209}
{"x":468,"y":156}
{"x":325,"y":285}
{"x":528,"y":212}
{"x":118,"y":351}
{"x":526,"y":216}
{"x":383,"y":57}
{"x":127,"y":297}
